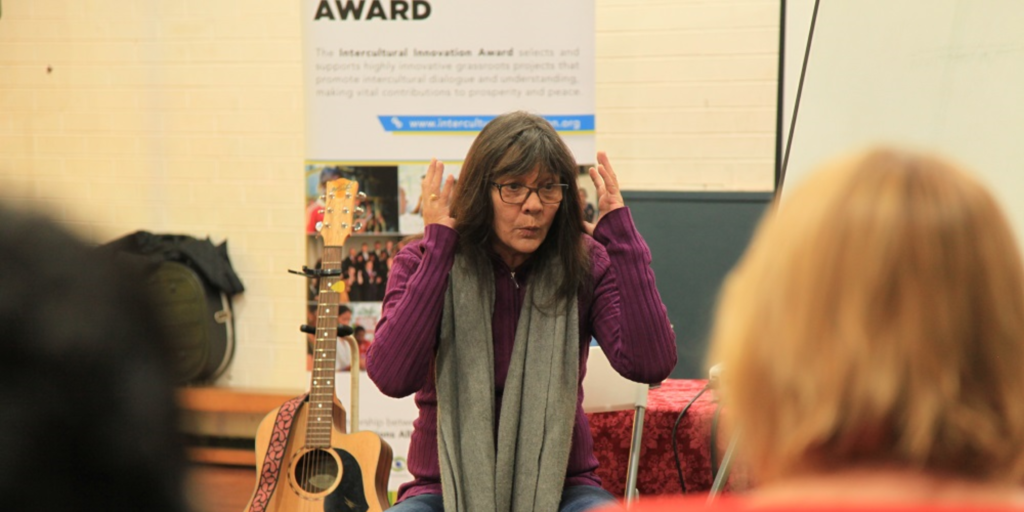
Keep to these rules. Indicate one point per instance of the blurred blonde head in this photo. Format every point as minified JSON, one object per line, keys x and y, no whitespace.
{"x":878,"y":319}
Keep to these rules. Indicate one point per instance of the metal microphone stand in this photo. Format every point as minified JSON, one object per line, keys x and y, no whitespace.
{"x":722,"y":476}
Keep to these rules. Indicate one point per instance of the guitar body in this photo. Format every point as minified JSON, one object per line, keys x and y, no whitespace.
{"x":349,"y":476}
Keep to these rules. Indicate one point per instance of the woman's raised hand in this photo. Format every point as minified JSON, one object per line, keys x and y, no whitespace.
{"x":434,"y":197}
{"x":609,"y":197}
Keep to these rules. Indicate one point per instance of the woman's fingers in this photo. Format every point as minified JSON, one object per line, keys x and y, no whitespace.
{"x":609,"y":196}
{"x":431,"y":186}
{"x":604,"y":166}
{"x":603,"y":161}
{"x":429,"y":178}
{"x":446,"y":191}
{"x":435,"y":184}
{"x":425,"y":182}
{"x":598,"y":182}
{"x":436,"y":194}
{"x":430,"y":181}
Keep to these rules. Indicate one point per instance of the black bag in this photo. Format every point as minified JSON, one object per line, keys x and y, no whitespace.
{"x":193,"y":282}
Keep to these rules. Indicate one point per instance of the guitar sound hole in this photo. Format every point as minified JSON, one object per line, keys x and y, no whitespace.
{"x":316,"y":471}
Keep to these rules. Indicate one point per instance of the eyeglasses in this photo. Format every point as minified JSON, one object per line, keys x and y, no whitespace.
{"x":517,"y":193}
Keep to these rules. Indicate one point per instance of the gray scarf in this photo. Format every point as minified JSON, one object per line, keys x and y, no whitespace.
{"x":527,"y":470}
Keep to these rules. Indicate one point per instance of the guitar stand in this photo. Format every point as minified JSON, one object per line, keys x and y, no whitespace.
{"x":724,"y":470}
{"x":353,"y":416}
{"x":316,"y":272}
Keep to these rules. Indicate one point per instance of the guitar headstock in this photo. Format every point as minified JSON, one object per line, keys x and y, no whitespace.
{"x":341,"y":198}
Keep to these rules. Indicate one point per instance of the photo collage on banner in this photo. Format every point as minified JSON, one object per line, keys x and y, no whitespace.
{"x":391,"y":85}
{"x":390,"y":218}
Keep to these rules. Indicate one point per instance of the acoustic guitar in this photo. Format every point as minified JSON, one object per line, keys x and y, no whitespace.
{"x":320,"y":467}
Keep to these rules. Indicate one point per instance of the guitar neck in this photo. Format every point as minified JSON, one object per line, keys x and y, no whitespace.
{"x":321,"y":390}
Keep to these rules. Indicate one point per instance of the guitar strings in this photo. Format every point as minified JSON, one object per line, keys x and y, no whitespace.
{"x":317,"y":463}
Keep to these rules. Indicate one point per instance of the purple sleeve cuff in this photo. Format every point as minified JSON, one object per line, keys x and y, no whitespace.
{"x":441,"y":238}
{"x":617,"y":232}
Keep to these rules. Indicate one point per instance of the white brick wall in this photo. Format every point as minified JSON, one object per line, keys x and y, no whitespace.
{"x":174,"y":117}
{"x":686,"y":92}
{"x":185,"y":116}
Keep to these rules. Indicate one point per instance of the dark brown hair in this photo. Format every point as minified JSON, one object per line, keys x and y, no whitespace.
{"x":513,"y":145}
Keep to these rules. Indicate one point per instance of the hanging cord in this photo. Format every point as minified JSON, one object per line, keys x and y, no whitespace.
{"x":675,"y":427}
{"x":796,"y":103}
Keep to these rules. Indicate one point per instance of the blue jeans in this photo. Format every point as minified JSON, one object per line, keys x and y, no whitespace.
{"x":577,"y":498}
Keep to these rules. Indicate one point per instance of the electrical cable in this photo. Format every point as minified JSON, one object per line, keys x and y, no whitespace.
{"x":675,"y":427}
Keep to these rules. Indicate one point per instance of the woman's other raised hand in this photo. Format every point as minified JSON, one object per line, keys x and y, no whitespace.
{"x":609,"y":197}
{"x":435,"y":195}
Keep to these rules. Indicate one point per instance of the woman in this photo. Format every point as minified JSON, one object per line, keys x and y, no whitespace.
{"x":873,"y":342}
{"x":490,"y":314}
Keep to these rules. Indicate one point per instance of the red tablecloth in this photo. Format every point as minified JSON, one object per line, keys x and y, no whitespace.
{"x":657,"y":471}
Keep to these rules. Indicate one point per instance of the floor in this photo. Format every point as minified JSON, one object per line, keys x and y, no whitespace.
{"x":221,"y":488}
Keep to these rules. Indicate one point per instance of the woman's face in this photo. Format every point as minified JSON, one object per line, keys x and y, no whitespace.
{"x":521,"y":228}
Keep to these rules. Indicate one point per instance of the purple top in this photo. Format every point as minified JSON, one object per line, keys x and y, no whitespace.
{"x":625,"y":315}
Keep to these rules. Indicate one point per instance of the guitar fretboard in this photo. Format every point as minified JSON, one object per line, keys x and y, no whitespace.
{"x":321,"y":393}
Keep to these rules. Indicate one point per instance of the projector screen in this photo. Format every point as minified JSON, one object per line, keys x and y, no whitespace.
{"x":946,"y":75}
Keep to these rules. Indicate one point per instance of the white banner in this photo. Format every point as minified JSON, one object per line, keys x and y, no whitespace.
{"x":379,"y":71}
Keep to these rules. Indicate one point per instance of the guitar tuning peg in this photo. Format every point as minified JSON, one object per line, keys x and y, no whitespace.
{"x":319,"y":225}
{"x":344,"y":225}
{"x":348,"y":195}
{"x":357,"y":226}
{"x":360,"y":209}
{"x":362,"y":196}
{"x":320,"y":211}
{"x":323,"y":197}
{"x":344,"y":210}
{"x":330,"y":210}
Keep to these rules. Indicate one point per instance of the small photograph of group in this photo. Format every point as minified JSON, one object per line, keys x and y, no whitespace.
{"x":378,"y":183}
{"x":365,"y":264}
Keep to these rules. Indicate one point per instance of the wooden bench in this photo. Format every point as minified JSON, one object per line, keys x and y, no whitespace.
{"x":226,"y":419}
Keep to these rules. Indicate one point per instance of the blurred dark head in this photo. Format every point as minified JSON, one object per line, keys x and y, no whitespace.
{"x":89,"y":417}
{"x":328,"y":174}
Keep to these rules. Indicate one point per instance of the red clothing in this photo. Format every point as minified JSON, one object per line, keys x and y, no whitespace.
{"x":727,"y":503}
{"x":364,"y":349}
{"x":314,"y":215}
{"x":625,"y":315}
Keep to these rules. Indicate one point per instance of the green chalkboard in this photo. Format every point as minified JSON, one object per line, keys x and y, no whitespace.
{"x":695,"y":239}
